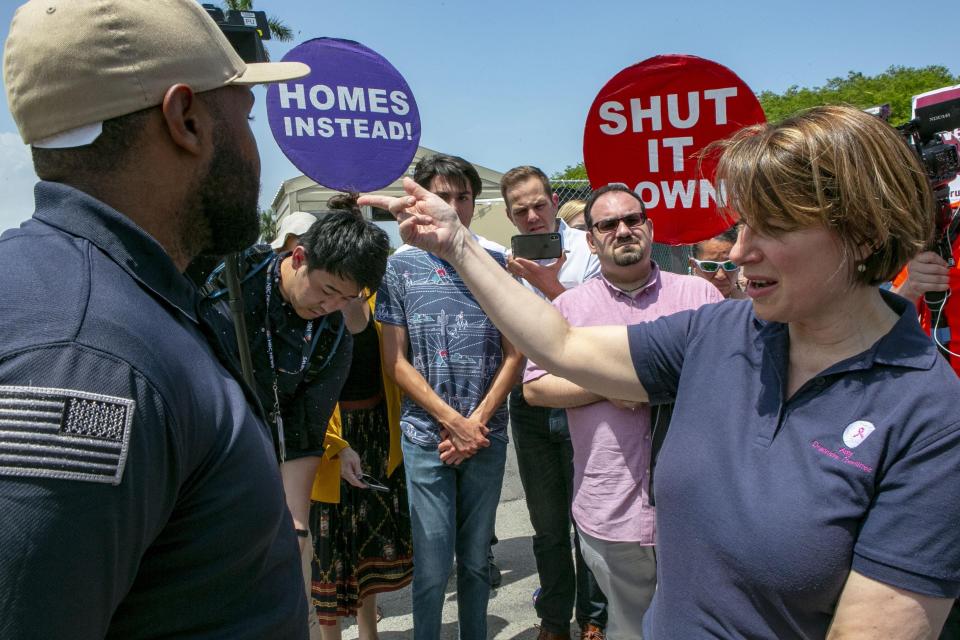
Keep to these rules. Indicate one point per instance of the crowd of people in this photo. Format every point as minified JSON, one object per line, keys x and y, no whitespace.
{"x":764,"y":447}
{"x":804,"y":487}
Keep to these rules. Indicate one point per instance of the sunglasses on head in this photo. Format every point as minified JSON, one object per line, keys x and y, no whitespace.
{"x":712,"y":266}
{"x":631,"y":220}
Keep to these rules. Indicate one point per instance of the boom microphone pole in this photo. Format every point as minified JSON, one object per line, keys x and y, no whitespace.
{"x":235,"y":301}
{"x":246,"y":31}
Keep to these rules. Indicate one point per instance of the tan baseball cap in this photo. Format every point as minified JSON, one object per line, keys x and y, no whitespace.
{"x":69,"y":65}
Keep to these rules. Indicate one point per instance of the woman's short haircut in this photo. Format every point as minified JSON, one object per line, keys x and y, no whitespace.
{"x":457,"y":171}
{"x":346,"y":245}
{"x":838,"y":167}
{"x":571,"y":209}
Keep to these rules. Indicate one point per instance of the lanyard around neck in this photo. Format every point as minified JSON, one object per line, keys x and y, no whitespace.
{"x":308,"y":336}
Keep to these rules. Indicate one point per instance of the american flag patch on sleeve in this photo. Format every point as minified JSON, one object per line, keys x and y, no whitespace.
{"x":64,"y":434}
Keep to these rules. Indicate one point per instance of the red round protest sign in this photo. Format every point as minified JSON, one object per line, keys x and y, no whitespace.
{"x":646,"y":129}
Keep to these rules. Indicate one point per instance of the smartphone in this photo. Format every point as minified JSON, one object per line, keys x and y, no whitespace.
{"x":537,"y":246}
{"x":373,"y":484}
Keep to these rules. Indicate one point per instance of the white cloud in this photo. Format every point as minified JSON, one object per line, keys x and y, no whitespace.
{"x":16,"y":181}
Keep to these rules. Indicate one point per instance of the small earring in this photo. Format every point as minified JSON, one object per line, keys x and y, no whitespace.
{"x":861,"y":268}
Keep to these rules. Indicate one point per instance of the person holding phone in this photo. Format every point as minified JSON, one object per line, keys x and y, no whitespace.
{"x":540,"y":434}
{"x":532,"y":207}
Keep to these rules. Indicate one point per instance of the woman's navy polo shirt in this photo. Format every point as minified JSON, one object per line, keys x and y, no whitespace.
{"x":764,"y":505}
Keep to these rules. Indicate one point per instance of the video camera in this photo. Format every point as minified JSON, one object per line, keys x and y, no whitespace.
{"x":931,"y":135}
{"x":246,"y":31}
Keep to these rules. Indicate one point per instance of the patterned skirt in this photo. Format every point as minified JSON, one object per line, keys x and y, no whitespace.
{"x":363,"y":544}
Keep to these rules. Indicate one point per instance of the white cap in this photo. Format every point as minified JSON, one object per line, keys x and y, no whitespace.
{"x":296,"y":223}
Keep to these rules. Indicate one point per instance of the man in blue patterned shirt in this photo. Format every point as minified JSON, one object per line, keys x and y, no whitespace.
{"x":455,"y":370}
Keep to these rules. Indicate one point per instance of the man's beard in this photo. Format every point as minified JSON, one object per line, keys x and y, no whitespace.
{"x":627,"y":256}
{"x":223,"y":216}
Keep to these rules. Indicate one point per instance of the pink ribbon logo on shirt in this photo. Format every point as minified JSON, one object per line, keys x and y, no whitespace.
{"x":857,"y":432}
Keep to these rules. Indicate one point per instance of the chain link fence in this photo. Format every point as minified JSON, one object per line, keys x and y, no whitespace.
{"x":675,"y":259}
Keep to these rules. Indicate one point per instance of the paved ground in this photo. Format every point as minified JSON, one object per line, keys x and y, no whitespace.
{"x":510,"y":615}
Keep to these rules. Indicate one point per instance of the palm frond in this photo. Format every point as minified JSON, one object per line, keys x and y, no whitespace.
{"x":279,"y":29}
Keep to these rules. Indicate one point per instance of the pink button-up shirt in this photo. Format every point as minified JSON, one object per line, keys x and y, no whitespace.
{"x":611,"y":446}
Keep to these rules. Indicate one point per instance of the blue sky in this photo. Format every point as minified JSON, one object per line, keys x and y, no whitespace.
{"x":504,"y":83}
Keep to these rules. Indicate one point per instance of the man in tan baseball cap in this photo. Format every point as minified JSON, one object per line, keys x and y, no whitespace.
{"x":123,"y":84}
{"x":140,"y":491}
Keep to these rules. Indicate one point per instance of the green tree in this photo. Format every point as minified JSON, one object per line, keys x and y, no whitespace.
{"x":268,"y":224}
{"x":895,"y":86}
{"x":278,"y":29}
{"x":571,"y":172}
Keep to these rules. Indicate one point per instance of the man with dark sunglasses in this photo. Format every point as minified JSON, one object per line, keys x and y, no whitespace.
{"x":612,"y":443}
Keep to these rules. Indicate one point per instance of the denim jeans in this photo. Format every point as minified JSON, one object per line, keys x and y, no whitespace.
{"x":545,"y":460}
{"x":452,"y":511}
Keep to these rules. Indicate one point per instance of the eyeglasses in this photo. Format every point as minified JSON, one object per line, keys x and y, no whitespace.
{"x":610,"y":224}
{"x":712,"y":266}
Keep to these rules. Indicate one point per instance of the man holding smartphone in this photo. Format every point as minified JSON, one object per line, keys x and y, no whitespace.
{"x":532,"y":208}
{"x":540,"y":435}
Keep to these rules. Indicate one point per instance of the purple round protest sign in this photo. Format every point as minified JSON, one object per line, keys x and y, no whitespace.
{"x":352,"y":124}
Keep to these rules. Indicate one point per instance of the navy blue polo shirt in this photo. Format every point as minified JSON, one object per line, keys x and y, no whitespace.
{"x":139,"y":490}
{"x":766,"y":503}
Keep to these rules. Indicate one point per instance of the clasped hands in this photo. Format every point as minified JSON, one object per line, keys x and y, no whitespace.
{"x":461,"y":438}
